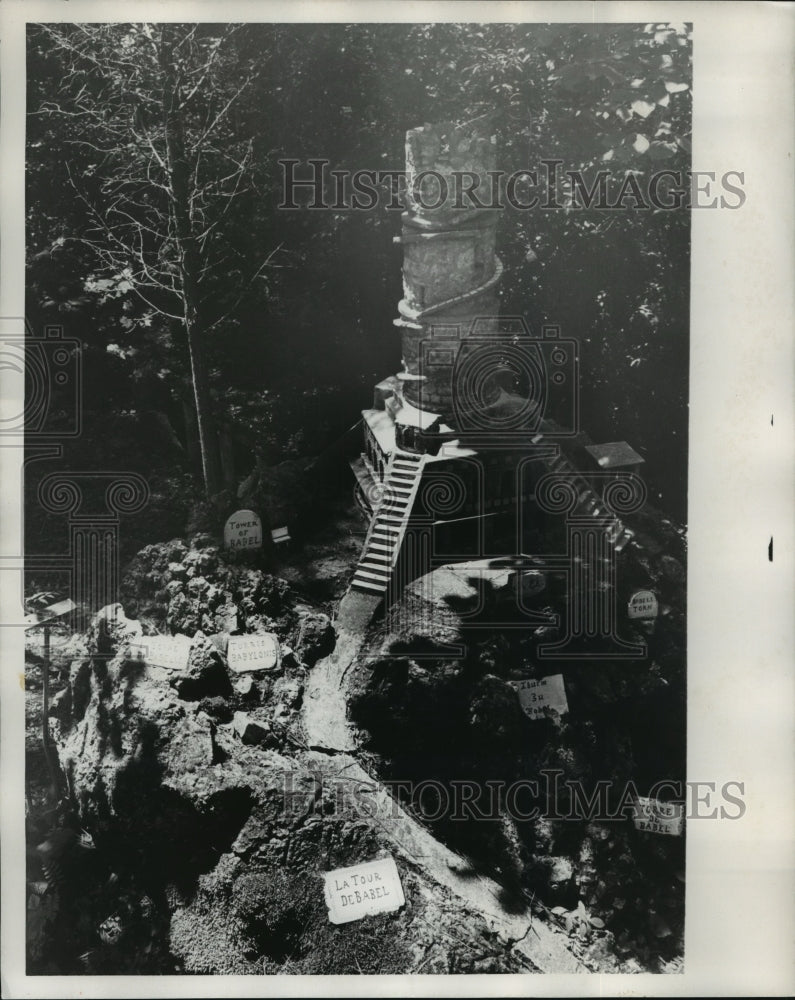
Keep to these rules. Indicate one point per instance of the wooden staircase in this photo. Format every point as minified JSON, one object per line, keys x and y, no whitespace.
{"x":391,"y":517}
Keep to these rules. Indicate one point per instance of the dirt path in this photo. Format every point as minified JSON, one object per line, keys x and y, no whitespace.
{"x":325,"y":695}
{"x":326,"y":728}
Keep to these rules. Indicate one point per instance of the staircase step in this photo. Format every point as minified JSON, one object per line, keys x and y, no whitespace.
{"x":376,"y":568}
{"x":373,"y":584}
{"x":373,"y":577}
{"x":378,"y":557}
{"x":368,"y":585}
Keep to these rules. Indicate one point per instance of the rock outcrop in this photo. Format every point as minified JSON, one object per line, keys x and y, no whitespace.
{"x":217,"y":821}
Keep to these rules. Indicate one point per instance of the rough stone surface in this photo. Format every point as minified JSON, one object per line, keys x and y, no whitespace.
{"x":251,"y":731}
{"x":188,"y":589}
{"x":424,"y":713}
{"x":222,"y":838}
{"x":315,"y":638}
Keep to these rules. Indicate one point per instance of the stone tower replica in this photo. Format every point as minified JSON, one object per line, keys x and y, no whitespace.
{"x":453,"y":442}
{"x":450,"y":270}
{"x":450,"y":291}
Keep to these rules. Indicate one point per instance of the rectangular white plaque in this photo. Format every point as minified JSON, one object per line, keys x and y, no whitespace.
{"x":363,"y":890}
{"x":535,"y":695}
{"x":169,"y":651}
{"x":253,"y":652}
{"x":653,"y":816}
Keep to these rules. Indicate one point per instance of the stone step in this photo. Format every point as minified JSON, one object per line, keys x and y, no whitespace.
{"x":393,"y":508}
{"x":373,"y":574}
{"x":368,"y":585}
{"x":378,"y":557}
{"x":379,"y":568}
{"x":389,"y":531}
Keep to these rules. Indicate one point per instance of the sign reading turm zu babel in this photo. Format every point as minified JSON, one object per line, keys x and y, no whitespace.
{"x":243,"y":530}
{"x":536,"y":695}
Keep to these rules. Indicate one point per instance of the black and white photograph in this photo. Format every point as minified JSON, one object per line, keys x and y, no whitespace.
{"x":354,"y":567}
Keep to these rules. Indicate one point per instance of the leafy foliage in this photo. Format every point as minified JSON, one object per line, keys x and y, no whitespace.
{"x":319,"y":325}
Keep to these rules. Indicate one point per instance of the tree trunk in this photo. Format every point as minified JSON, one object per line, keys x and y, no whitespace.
{"x":179,"y":173}
{"x":191,"y":433}
{"x":227,"y":448}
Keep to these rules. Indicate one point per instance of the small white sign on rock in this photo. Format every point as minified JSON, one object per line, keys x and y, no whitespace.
{"x":169,"y":651}
{"x":363,"y":890}
{"x":243,"y":530}
{"x":643,"y":604}
{"x":253,"y":652}
{"x":536,"y":695}
{"x":653,"y":816}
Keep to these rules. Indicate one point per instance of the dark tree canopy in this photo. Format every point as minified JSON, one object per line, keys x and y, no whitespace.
{"x":155,"y":254}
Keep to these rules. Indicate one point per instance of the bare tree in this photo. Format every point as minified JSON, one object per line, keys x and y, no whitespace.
{"x":159,"y":159}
